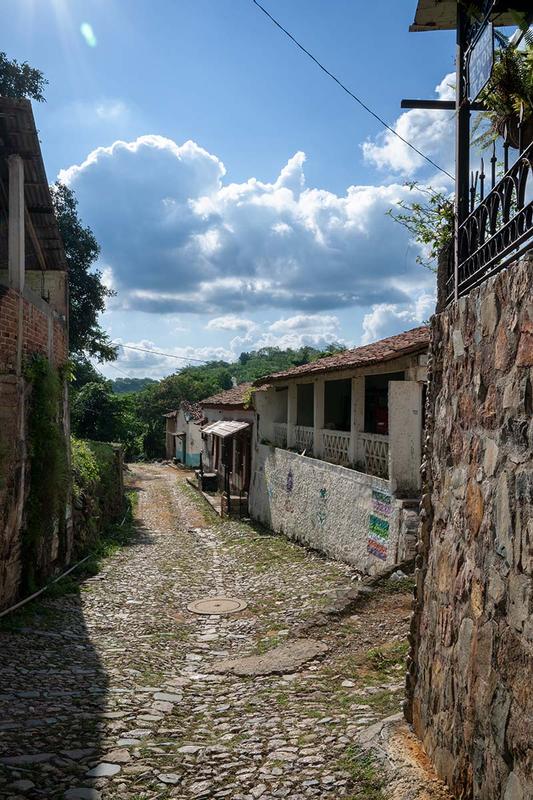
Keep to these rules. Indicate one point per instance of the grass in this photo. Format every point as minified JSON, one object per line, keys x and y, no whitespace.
{"x":364,"y":782}
{"x":200,"y":504}
{"x":389,"y":586}
{"x":388,"y":658}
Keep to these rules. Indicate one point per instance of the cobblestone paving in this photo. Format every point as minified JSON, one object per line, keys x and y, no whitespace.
{"x":108,"y":694}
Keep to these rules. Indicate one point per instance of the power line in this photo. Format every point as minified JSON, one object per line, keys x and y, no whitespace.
{"x":159,"y":353}
{"x":118,"y":370}
{"x":345,"y":88}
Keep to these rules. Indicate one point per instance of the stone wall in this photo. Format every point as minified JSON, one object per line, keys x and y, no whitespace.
{"x":471,"y":663}
{"x":345,"y":514}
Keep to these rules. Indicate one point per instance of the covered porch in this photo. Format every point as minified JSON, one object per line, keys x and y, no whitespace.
{"x":370,"y":422}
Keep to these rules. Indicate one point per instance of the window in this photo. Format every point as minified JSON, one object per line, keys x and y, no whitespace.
{"x":337,"y":405}
{"x":377,"y":401}
{"x":305,"y":404}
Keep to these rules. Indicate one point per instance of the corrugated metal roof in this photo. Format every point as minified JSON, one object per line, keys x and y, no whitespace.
{"x":413,"y":341}
{"x":225,"y":427}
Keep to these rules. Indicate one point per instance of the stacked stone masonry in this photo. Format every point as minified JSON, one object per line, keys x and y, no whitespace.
{"x":471,"y":662}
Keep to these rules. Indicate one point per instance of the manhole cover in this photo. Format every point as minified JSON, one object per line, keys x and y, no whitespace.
{"x":217,"y":605}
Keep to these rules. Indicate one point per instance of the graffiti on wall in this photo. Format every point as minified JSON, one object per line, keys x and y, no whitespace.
{"x":289,"y":487}
{"x":378,"y":524}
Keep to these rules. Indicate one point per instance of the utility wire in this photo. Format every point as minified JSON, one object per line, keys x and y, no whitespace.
{"x":159,"y":353}
{"x":345,"y":88}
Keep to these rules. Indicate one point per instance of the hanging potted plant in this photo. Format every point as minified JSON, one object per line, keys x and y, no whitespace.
{"x":508,"y":96}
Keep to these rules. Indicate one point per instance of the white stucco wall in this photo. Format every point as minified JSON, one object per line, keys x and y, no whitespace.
{"x":327,"y":507}
{"x":242,"y":414}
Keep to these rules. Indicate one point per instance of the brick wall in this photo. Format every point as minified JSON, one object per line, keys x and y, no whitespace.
{"x":44,"y":333}
{"x":9,"y":302}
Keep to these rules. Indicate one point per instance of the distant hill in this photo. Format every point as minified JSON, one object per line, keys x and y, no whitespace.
{"x":125,"y":385}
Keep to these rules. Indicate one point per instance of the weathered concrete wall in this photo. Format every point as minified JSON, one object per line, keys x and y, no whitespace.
{"x":346,"y":514}
{"x":470,"y":677}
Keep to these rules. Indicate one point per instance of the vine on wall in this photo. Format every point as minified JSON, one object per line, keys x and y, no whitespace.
{"x":48,"y":472}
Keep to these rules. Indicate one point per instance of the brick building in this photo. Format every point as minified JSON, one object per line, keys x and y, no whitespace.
{"x":33,"y":320}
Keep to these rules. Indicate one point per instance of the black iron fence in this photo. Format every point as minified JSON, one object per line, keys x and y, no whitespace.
{"x":499,"y":226}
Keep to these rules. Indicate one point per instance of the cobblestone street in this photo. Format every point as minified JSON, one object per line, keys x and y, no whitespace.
{"x":113,"y":692}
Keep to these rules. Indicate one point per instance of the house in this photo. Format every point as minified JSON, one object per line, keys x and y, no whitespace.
{"x":338,"y":452}
{"x":183,"y":437}
{"x":227,"y":439}
{"x":33,"y":323}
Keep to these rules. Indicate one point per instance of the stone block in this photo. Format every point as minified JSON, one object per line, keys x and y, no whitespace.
{"x":474,"y":507}
{"x":490,"y":458}
{"x":489,"y":314}
{"x":524,"y":356}
{"x":458,"y":343}
{"x":513,"y":788}
{"x":519,"y":600}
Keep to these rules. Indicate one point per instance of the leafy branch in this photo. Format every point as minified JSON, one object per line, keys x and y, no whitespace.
{"x":430,"y":221}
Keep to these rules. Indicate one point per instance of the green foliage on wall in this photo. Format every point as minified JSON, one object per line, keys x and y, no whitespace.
{"x":96,"y":489}
{"x":48,"y":459}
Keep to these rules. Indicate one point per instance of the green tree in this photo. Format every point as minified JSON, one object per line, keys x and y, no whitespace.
{"x":96,"y":413}
{"x":88,"y":293}
{"x":192,"y":383}
{"x":20,"y":80}
{"x":429,"y":220}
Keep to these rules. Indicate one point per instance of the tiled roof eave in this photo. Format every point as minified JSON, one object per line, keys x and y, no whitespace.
{"x":340,"y":367}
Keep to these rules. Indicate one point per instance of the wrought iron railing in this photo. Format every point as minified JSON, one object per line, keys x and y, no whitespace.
{"x":498,"y":229}
{"x":336,"y":446}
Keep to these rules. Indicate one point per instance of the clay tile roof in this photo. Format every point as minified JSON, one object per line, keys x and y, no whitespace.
{"x":413,"y":341}
{"x":194,"y":409}
{"x":236,"y":396}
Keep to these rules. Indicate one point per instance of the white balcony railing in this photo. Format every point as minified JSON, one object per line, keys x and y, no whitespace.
{"x":336,"y":446}
{"x":304,"y":438}
{"x":280,"y":434}
{"x":375,"y":450}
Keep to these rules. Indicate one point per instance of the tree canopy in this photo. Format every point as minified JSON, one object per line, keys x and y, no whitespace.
{"x":88,"y":293}
{"x":20,"y":80}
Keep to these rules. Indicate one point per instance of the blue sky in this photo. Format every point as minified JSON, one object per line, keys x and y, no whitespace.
{"x":238,"y":195}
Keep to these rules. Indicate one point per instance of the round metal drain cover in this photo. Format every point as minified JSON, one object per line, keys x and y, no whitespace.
{"x":217,"y":605}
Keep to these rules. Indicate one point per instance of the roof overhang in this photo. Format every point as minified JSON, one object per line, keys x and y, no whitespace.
{"x":225,"y":427}
{"x":441,"y":15}
{"x":19,"y":136}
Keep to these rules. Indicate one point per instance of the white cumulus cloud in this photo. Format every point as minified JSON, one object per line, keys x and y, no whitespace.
{"x":230,"y":322}
{"x":144,"y":358}
{"x":179,"y":238}
{"x":387,"y":319}
{"x":432,"y":132}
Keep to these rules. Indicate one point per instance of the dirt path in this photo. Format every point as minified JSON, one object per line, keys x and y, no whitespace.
{"x":111,"y":691}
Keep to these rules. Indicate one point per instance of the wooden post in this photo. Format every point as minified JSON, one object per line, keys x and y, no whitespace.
{"x":318,"y":417}
{"x":16,"y":233}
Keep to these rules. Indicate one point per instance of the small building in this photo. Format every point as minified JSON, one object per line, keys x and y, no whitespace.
{"x":339,"y":443}
{"x":183,"y":436}
{"x":227,"y":438}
